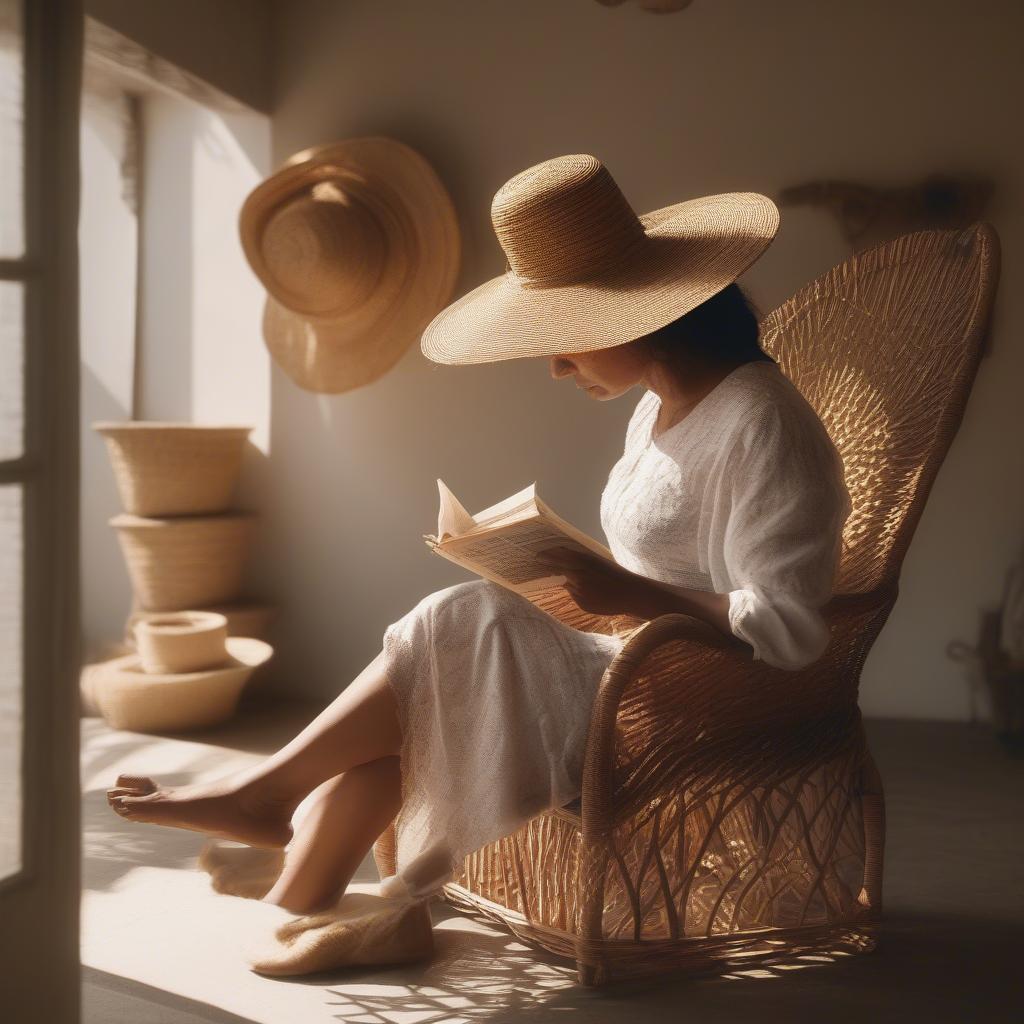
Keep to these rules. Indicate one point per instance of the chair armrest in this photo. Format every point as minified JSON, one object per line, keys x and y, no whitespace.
{"x":683,"y":702}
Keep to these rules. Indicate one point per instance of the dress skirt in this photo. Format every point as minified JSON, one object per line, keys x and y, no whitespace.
{"x":494,"y":700}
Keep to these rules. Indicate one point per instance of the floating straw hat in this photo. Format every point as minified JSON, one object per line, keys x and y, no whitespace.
{"x":585,"y":272}
{"x":358,"y":246}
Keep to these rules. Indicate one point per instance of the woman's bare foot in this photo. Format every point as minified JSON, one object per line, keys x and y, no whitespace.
{"x":227,"y":809}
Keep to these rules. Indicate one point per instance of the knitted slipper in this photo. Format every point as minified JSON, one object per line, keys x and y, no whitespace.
{"x":360,"y":929}
{"x":244,"y":871}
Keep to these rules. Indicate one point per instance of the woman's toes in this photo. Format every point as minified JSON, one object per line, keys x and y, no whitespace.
{"x":132,"y":804}
{"x":124,"y":791}
{"x":119,"y":807}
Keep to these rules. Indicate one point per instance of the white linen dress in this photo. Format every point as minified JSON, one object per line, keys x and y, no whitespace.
{"x":744,"y":496}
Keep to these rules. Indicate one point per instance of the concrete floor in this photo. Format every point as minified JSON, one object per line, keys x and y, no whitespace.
{"x":159,"y":947}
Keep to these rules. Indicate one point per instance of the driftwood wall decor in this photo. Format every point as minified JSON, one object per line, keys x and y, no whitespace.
{"x":869,"y":214}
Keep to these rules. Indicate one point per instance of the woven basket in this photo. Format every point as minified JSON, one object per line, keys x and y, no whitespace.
{"x":242,"y":620}
{"x":181,"y":641}
{"x":129,"y":698}
{"x":185,"y":563}
{"x":174,"y":469}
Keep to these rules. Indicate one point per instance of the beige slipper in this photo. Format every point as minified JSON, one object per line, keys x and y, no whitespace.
{"x":241,"y":870}
{"x":360,"y":929}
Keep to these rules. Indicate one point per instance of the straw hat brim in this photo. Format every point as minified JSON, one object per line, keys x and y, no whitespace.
{"x":424,"y":247}
{"x":244,"y":652}
{"x":690,"y":251}
{"x":130,"y":698}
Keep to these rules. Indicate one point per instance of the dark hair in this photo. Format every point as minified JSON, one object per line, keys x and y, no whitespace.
{"x":725,"y":328}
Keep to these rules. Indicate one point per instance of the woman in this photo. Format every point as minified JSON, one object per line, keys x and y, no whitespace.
{"x":727,"y":504}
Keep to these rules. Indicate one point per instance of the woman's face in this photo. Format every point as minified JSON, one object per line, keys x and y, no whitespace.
{"x":606,"y":373}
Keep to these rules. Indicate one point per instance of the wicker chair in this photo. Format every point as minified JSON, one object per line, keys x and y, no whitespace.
{"x":730,"y":811}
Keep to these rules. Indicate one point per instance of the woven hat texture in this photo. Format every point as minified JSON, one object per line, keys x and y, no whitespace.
{"x":177,"y":563}
{"x":585,"y":272}
{"x":358,"y":246}
{"x":174,"y":469}
{"x":187,"y":641}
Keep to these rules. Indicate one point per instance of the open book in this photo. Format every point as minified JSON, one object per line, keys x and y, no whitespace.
{"x":501,"y":542}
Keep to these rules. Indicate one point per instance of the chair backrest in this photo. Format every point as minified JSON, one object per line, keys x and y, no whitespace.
{"x":885,"y":347}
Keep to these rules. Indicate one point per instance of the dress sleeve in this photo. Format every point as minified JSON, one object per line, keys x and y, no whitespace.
{"x":783,"y":537}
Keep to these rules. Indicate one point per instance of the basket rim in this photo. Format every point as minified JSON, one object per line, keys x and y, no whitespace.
{"x":159,"y":426}
{"x":128,"y":520}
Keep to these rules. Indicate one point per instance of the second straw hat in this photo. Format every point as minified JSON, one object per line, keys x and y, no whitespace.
{"x":586,"y":272}
{"x":357,"y":244}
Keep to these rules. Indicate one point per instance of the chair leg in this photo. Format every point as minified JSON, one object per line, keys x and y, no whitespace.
{"x":590,"y":975}
{"x":873,"y":812}
{"x":590,"y":892}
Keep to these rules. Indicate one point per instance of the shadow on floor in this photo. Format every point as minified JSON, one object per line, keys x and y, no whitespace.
{"x":925,"y":968}
{"x":948,"y":950}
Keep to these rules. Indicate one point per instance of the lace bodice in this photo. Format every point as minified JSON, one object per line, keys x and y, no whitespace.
{"x":744,"y":496}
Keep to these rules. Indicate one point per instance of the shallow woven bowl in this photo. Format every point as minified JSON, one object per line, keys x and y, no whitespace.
{"x":185,"y":563}
{"x":174,"y":469}
{"x":181,"y":641}
{"x":129,"y":698}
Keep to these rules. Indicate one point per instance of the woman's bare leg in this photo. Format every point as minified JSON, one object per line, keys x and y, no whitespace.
{"x":347,"y":815}
{"x":255,"y":806}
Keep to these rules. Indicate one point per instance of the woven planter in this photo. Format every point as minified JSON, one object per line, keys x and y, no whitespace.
{"x":129,"y":698}
{"x":185,"y":563}
{"x":174,"y":469}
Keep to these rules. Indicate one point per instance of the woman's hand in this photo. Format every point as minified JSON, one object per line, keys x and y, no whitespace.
{"x":607,"y":589}
{"x":592,"y":583}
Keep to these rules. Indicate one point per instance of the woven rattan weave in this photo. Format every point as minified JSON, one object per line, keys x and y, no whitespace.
{"x":731,"y":811}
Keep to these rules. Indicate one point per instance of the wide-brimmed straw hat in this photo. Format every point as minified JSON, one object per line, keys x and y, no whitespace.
{"x":358,"y":246}
{"x":585,"y":272}
{"x":128,"y":697}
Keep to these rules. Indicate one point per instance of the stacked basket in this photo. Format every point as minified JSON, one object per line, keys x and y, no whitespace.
{"x":184,"y":546}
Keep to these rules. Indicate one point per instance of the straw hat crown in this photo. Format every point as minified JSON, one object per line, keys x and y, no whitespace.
{"x":584,"y":271}
{"x":564,"y":221}
{"x":322,"y":253}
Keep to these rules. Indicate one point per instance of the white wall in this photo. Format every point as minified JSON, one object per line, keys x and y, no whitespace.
{"x":724,"y":96}
{"x":108,"y":240}
{"x":199,"y":354}
{"x":200,"y":349}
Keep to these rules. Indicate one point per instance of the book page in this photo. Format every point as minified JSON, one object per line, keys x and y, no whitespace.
{"x":513,"y":507}
{"x":508,"y":555}
{"x":452,"y":519}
